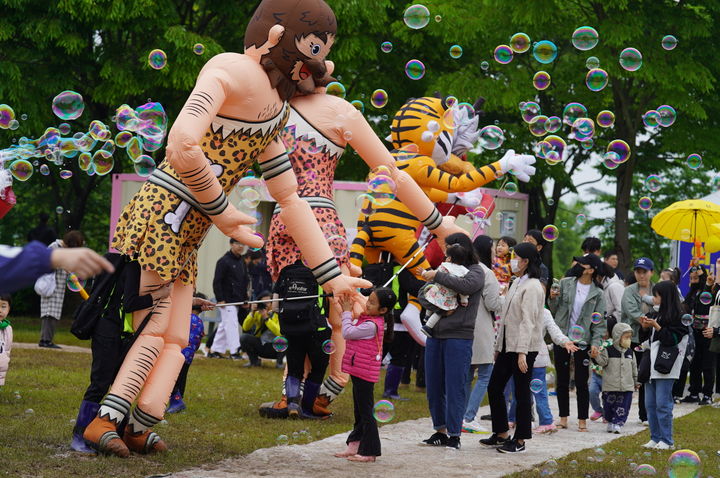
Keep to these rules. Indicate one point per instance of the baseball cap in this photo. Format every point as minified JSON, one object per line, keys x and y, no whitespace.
{"x":644,"y":263}
{"x":590,"y":260}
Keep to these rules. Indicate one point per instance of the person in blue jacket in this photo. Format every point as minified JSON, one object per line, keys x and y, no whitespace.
{"x":21,"y":266}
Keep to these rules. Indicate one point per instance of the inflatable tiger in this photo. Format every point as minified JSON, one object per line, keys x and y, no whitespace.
{"x":428,"y":136}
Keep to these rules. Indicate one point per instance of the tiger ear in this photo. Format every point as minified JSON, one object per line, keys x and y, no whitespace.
{"x":388,"y":138}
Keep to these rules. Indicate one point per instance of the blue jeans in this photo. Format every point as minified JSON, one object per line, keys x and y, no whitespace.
{"x":484,"y":371}
{"x":447,"y":362}
{"x":659,"y":406}
{"x":595,"y":390}
{"x":541,"y":399}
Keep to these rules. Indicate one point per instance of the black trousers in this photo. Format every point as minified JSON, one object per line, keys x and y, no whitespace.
{"x":506,"y":368}
{"x":702,"y":368}
{"x":400,"y":349}
{"x":416,"y":360}
{"x":107,"y":356}
{"x":365,"y":429}
{"x":253,"y":346}
{"x":642,"y":413}
{"x":181,"y":380}
{"x":679,"y":385}
{"x":311,"y":345}
{"x":582,"y":373}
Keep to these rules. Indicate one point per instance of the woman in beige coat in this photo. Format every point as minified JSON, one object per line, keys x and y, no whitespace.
{"x":518,"y":341}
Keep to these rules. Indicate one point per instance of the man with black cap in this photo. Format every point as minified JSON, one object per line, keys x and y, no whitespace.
{"x":575,"y":307}
{"x":634,"y":307}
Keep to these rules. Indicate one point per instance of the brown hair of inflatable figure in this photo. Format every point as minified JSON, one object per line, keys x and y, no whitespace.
{"x":310,"y":28}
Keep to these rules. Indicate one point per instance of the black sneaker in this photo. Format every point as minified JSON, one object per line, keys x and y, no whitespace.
{"x":236,"y":356}
{"x":215,"y":355}
{"x":437,"y":439}
{"x":493,"y":440}
{"x":512,"y":446}
{"x":690,"y":399}
{"x":676,"y":400}
{"x":453,"y":442}
{"x":42,"y":343}
{"x":52,"y":345}
{"x":705,"y":400}
{"x":486,"y":417}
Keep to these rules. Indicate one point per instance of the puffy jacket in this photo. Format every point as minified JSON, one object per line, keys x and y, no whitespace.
{"x":562,"y":307}
{"x":619,"y":365}
{"x":254,"y":324}
{"x":363,"y":357}
{"x":6,"y":340}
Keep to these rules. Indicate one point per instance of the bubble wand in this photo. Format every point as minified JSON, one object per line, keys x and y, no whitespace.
{"x":78,"y":286}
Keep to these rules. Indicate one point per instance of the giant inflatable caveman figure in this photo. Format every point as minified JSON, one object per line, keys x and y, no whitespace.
{"x":391,"y":227}
{"x":319,"y":129}
{"x":232,"y":118}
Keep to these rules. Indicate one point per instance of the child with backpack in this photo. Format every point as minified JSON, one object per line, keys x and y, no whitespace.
{"x":305,"y":329}
{"x":362,"y":360}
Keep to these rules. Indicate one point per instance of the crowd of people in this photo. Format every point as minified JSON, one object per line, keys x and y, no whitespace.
{"x":490,"y":306}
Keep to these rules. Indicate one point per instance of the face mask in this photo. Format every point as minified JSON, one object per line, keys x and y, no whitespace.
{"x":514,"y":264}
{"x":626,"y":342}
{"x":656,"y":308}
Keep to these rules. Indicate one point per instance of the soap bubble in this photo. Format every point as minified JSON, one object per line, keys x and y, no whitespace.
{"x":74,"y":284}
{"x":503,"y":54}
{"x":65,"y":174}
{"x":550,"y":232}
{"x":592,"y":63}
{"x":336,"y":89}
{"x":668,"y":115}
{"x":653,"y":183}
{"x":99,"y":130}
{"x":329,"y":347}
{"x":537,"y":126}
{"x":14,"y":124}
{"x":438,"y":18}
{"x":541,"y":80}
{"x":545,"y":52}
{"x":553,"y":124}
{"x":583,"y":129}
{"x":381,"y":188}
{"x":576,"y":332}
{"x":379,"y":98}
{"x":280,"y":344}
{"x":669,"y":42}
{"x":599,"y":454}
{"x":417,"y":16}
{"x":596,"y":318}
{"x":536,"y":385}
{"x":605,"y":119}
{"x":282,"y":440}
{"x":586,"y":363}
{"x":6,"y":116}
{"x":548,"y":468}
{"x":44,"y":169}
{"x":581,"y":219}
{"x":386,"y":47}
{"x":645,"y":470}
{"x":68,"y":105}
{"x":21,"y":169}
{"x":103,"y":162}
{"x":456,"y":51}
{"x":249,"y":198}
{"x":529,"y":110}
{"x":510,"y":188}
{"x":122,"y":138}
{"x":631,"y":59}
{"x":585,"y":38}
{"x":651,"y":118}
{"x":198,"y":48}
{"x":484,"y":65}
{"x":491,"y":137}
{"x":415,"y":69}
{"x":520,"y":42}
{"x":686,"y":320}
{"x":574,"y":111}
{"x":29,"y":411}
{"x":144,"y":166}
{"x":621,"y":148}
{"x":694,"y":161}
{"x":706,"y":298}
{"x":338,"y":245}
{"x":645,"y":203}
{"x":133,"y":148}
{"x":359,"y":105}
{"x":157,"y":59}
{"x":684,"y":464}
{"x":384,"y":411}
{"x":596,"y":79}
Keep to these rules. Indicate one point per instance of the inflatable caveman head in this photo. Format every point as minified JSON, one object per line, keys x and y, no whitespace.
{"x":297,"y":62}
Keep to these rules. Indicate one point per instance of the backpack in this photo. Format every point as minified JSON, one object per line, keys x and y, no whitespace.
{"x":378,"y":274}
{"x":91,"y":310}
{"x":298,"y":316}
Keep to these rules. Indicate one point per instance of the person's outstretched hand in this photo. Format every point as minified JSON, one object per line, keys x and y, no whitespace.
{"x":84,"y":262}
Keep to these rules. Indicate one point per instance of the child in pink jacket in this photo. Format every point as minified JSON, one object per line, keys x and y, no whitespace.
{"x":363,"y":357}
{"x":6,"y":336}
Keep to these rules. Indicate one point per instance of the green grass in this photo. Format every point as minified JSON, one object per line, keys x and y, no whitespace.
{"x":222,"y":420}
{"x":27,"y":329}
{"x":698,"y":431}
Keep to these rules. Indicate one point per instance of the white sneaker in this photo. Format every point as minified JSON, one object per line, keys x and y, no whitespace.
{"x":610,"y":428}
{"x":663,"y":446}
{"x":650,"y":444}
{"x":473,"y":427}
{"x":617,"y":429}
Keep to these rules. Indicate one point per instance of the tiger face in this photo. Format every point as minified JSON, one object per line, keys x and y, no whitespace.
{"x":429,"y":124}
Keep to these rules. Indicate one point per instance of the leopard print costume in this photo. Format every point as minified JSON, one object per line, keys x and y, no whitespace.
{"x":164,"y":229}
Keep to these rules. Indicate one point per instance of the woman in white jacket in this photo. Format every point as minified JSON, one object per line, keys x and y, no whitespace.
{"x":484,"y":338}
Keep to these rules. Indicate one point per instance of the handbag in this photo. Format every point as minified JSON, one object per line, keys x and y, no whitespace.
{"x":665,"y":358}
{"x":644,"y":367}
{"x":713,"y":323}
{"x":45,"y":285}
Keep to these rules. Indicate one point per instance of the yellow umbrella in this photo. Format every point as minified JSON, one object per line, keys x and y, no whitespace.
{"x":687,"y":221}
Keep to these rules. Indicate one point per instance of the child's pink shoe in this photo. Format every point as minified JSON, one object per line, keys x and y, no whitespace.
{"x":545,"y":429}
{"x":595,"y":416}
